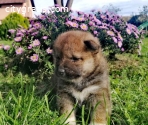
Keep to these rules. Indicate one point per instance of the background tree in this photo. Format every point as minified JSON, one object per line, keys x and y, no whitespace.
{"x":113,"y":9}
{"x":144,"y":11}
{"x":141,"y":18}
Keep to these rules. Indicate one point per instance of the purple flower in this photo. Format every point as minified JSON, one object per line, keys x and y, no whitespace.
{"x":83,"y":26}
{"x":120,"y":37}
{"x":6,"y":47}
{"x":31,"y":30}
{"x":42,"y":17}
{"x":18,"y":39}
{"x":119,"y":44}
{"x":37,"y":25}
{"x":45,"y":37}
{"x":80,"y":13}
{"x":34,"y":58}
{"x":98,"y":21}
{"x":107,"y":13}
{"x":94,"y":17}
{"x":20,"y":34}
{"x":73,"y":17}
{"x":35,"y":43}
{"x":73,"y":24}
{"x":19,"y":51}
{"x":136,"y":35}
{"x":91,"y":18}
{"x":68,"y":23}
{"x":103,"y":16}
{"x":23,"y":30}
{"x":86,"y":15}
{"x":49,"y":51}
{"x":80,"y":19}
{"x":103,"y":27}
{"x":122,"y":49}
{"x":118,"y":21}
{"x":113,"y":28}
{"x":90,"y":15}
{"x":110,"y":33}
{"x":128,"y":31}
{"x":114,"y":39}
{"x":30,"y":46}
{"x":105,"y":24}
{"x":35,"y":33}
{"x":112,"y":22}
{"x":95,"y":32}
{"x":12,"y":31}
{"x":91,"y":23}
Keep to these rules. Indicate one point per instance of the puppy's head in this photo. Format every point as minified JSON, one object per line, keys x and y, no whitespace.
{"x":75,"y":55}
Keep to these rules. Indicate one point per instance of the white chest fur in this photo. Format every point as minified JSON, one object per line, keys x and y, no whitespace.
{"x":81,"y":96}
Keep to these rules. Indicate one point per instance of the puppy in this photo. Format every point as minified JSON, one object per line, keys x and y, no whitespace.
{"x":81,"y":76}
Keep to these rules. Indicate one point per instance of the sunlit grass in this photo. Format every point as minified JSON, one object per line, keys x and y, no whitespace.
{"x":19,"y":105}
{"x":4,"y":42}
{"x":145,"y":46}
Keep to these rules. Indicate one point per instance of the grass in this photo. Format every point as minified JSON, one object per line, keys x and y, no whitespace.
{"x":145,"y":47}
{"x":19,"y":105}
{"x":4,"y":42}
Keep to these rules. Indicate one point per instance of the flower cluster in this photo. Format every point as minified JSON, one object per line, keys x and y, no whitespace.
{"x":30,"y":41}
{"x":34,"y":44}
{"x":114,"y":33}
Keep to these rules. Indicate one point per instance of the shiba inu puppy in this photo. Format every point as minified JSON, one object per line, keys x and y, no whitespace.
{"x":81,"y":76}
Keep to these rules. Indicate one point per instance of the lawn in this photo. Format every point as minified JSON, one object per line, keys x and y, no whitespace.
{"x":19,"y":104}
{"x":4,"y":42}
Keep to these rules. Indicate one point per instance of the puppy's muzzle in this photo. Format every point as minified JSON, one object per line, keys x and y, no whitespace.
{"x":61,"y":72}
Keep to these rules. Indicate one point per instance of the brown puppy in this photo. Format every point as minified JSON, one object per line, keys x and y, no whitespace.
{"x":81,"y":76}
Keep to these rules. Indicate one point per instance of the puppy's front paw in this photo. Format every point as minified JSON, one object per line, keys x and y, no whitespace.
{"x":71,"y":121}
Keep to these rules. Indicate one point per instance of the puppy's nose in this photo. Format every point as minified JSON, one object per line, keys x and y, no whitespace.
{"x":61,"y":71}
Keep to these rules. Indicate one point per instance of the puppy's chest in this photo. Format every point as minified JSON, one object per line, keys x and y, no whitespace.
{"x":80,"y":96}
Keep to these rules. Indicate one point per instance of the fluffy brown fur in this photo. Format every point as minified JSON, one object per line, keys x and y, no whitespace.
{"x":81,"y":75}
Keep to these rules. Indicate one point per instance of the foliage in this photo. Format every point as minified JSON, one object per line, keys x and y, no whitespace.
{"x":12,"y":21}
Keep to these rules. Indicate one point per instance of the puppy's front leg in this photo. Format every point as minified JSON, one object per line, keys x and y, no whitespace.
{"x":66,"y":106}
{"x":103,"y":110}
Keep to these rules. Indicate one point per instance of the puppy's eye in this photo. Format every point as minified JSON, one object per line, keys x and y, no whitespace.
{"x":75,"y":59}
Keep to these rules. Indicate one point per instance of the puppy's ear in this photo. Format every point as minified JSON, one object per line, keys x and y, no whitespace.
{"x":90,"y":44}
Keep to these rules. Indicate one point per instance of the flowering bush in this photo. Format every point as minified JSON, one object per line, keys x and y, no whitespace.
{"x":12,"y":21}
{"x":114,"y":33}
{"x":34,"y":44}
{"x":127,"y":36}
{"x":31,"y":49}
